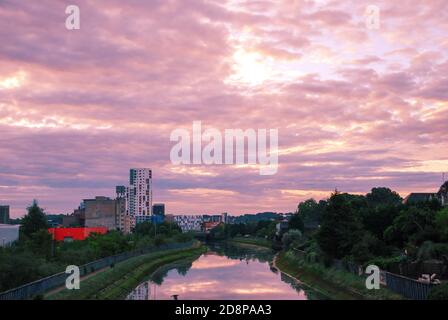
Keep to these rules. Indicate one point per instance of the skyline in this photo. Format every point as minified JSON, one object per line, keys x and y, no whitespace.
{"x":355,"y":108}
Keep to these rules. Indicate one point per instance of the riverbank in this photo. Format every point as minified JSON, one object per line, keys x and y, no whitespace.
{"x":261,"y":242}
{"x":115,"y":283}
{"x":335,"y":284}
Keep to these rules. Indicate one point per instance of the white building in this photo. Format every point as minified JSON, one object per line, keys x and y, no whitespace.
{"x":8,"y":234}
{"x":139,"y":194}
{"x":189,"y":222}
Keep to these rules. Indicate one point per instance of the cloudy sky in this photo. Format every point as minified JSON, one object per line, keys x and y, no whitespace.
{"x":355,"y":107}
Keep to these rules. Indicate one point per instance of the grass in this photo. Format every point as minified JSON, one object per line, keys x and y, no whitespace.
{"x":117,"y":282}
{"x":253,"y":241}
{"x":335,"y":284}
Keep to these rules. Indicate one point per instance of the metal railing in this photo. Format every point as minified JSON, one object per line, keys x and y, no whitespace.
{"x":41,"y":286}
{"x":407,"y":287}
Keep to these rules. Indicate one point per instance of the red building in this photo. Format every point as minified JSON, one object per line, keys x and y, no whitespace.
{"x":67,"y":234}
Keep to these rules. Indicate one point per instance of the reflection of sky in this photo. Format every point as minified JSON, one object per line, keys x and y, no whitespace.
{"x":218,"y":277}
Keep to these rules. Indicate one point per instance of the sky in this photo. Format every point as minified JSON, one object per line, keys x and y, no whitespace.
{"x":356,"y":107}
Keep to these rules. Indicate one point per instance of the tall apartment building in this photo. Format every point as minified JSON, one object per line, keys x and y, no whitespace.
{"x":139,"y":194}
{"x":4,"y":214}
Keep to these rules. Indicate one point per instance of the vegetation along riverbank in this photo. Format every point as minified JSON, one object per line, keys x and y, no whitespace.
{"x":115,"y":283}
{"x":333,"y":283}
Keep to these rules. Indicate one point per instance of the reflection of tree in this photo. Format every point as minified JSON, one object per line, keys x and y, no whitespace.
{"x":181,"y":267}
{"x":309,"y":293}
{"x":158,"y":276}
{"x":242,"y":253}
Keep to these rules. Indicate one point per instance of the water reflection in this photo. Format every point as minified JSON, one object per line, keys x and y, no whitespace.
{"x":225,"y":272}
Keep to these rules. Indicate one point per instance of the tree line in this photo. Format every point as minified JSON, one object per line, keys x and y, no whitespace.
{"x":35,"y":255}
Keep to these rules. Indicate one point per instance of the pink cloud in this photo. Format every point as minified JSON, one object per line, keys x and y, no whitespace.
{"x":355,"y":108}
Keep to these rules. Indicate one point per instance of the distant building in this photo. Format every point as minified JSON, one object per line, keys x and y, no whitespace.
{"x":169,"y":218}
{"x":158,"y":209}
{"x":77,"y":218}
{"x":4,"y":214}
{"x":124,"y":221}
{"x":212,"y":218}
{"x":224,"y":217}
{"x":200,"y":222}
{"x":281,"y":228}
{"x":100,"y":212}
{"x":70,"y":221}
{"x":53,"y":223}
{"x":157,"y":219}
{"x":210,"y":225}
{"x":8,"y":234}
{"x":70,"y":234}
{"x":189,"y":222}
{"x":139,"y":194}
{"x":120,"y":191}
{"x":443,"y":194}
{"x":419,"y":197}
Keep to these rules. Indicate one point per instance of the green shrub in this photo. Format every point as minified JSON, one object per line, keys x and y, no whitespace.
{"x":439,"y":292}
{"x":387,"y":263}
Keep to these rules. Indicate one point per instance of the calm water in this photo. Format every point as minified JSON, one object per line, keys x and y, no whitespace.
{"x":226,"y":272}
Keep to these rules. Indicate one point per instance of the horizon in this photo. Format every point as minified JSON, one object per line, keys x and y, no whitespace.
{"x":355,"y":107}
{"x":253,"y":212}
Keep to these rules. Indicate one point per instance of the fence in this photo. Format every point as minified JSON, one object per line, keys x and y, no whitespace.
{"x":44,"y":285}
{"x":407,"y":287}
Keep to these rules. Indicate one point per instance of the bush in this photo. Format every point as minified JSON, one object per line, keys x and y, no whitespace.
{"x":292,"y":238}
{"x":387,"y":263}
{"x":159,"y":240}
{"x":439,"y":292}
{"x":183,"y":237}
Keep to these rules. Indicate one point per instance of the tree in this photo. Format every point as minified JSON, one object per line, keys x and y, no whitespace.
{"x":442,"y":223}
{"x":367,"y":248}
{"x":439,"y":292}
{"x":34,"y":220}
{"x":265,"y":229}
{"x":292,"y":238}
{"x":340,"y":228}
{"x":144,"y":229}
{"x":40,"y":243}
{"x":311,"y":212}
{"x":296,"y":222}
{"x":379,"y":218}
{"x":413,"y":224}
{"x":383,"y":196}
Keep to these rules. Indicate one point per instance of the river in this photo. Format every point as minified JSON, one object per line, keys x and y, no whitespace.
{"x":225,"y":272}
